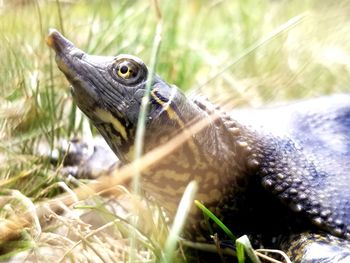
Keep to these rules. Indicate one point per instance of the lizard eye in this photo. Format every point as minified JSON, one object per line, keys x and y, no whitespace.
{"x":127,"y":70}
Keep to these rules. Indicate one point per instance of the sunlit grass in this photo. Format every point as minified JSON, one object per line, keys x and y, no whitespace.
{"x":199,"y":40}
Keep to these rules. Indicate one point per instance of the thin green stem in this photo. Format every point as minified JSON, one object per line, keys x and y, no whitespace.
{"x":179,"y":221}
{"x":140,"y":132}
{"x":60,"y":19}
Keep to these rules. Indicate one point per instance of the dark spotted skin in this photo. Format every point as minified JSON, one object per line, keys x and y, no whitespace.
{"x":271,"y":174}
{"x":315,"y":248}
{"x":306,"y":165}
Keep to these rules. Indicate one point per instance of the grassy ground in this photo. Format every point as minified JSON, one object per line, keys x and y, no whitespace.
{"x":243,"y":52}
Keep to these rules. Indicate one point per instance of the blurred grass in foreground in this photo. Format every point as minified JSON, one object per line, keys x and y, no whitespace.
{"x":200,"y":38}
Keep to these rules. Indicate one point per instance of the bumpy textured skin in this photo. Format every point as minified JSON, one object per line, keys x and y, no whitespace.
{"x":305,"y":163}
{"x":306,"y":160}
{"x":270,"y":174}
{"x":315,"y":248}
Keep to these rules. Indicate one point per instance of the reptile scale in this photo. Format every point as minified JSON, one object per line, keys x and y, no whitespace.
{"x":280,"y":175}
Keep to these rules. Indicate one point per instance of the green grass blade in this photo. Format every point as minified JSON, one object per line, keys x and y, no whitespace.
{"x":213,"y":217}
{"x":179,"y":221}
{"x":141,"y":123}
{"x":140,"y":132}
{"x":240,"y":252}
{"x":243,"y":245}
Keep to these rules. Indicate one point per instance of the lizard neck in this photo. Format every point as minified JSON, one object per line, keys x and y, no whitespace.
{"x":214,"y":158}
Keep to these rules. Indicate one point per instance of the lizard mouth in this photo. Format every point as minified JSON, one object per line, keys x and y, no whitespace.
{"x":58,"y":42}
{"x":75,"y":65}
{"x":66,"y":53}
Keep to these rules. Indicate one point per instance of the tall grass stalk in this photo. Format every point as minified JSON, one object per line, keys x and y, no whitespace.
{"x":141,"y":123}
{"x":179,"y":221}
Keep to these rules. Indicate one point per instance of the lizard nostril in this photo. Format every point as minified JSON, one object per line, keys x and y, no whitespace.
{"x":77,"y":53}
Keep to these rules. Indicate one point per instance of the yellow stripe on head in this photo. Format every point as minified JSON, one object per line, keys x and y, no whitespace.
{"x":166,"y":105}
{"x":108,"y":117}
{"x":173,"y":115}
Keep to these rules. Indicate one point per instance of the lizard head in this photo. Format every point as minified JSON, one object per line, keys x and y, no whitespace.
{"x":109,"y":90}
